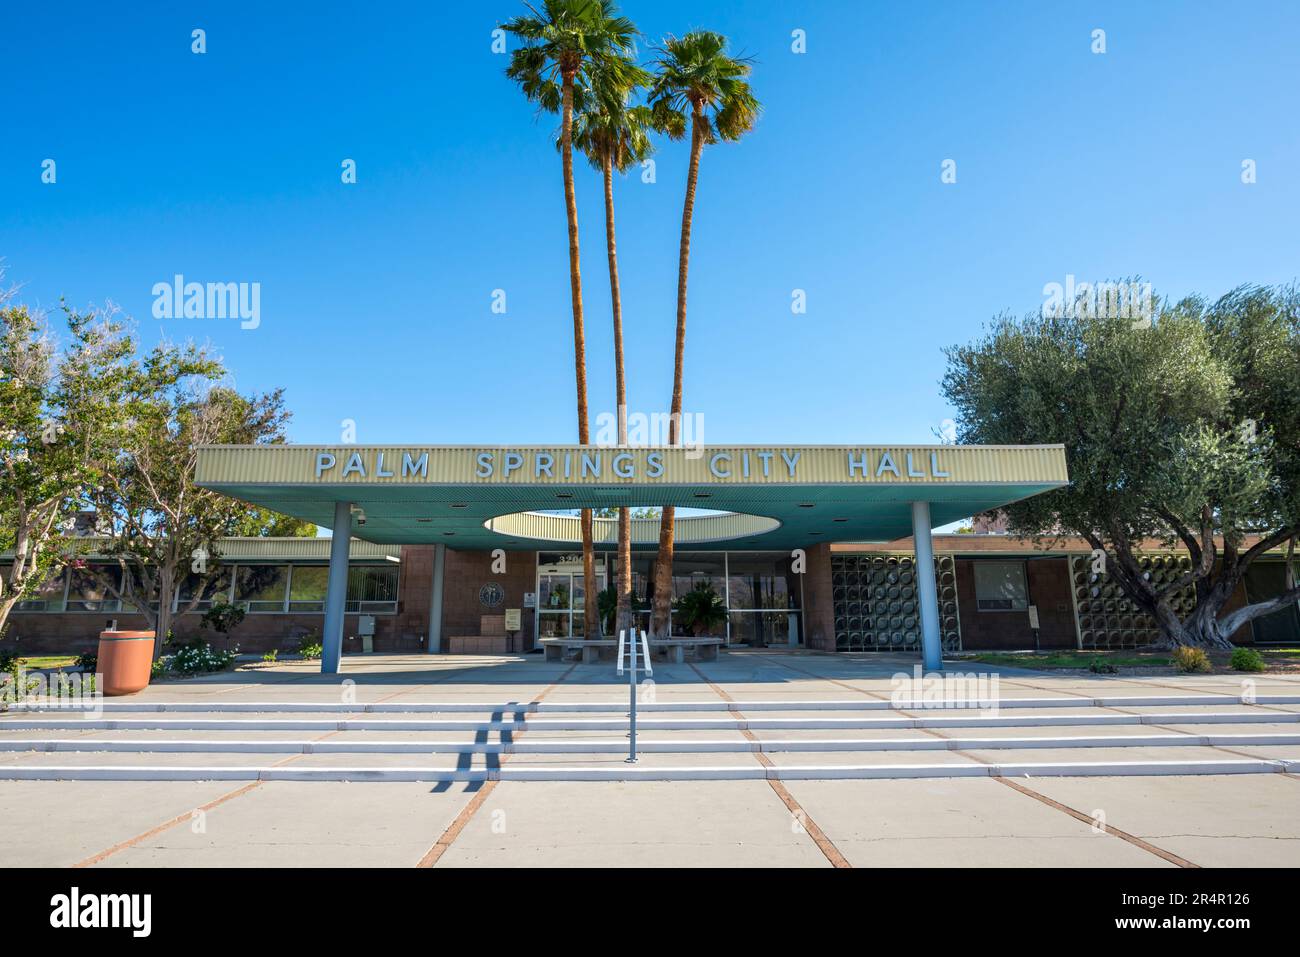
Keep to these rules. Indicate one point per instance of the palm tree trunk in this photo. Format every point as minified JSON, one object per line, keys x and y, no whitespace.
{"x":591,"y":617}
{"x":664,"y":564}
{"x":623,"y":574}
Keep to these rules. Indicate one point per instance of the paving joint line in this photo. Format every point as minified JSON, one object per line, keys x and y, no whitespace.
{"x":230,"y":796}
{"x":813,"y":674}
{"x":1133,"y":839}
{"x":462,"y":819}
{"x":810,"y":827}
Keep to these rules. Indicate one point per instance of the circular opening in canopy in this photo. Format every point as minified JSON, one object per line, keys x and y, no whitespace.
{"x":687,"y":529}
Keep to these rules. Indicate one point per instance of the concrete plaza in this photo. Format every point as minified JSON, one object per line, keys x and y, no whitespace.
{"x":771,"y":792}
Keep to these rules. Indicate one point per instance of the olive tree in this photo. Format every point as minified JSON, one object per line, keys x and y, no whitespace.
{"x":57,"y":408}
{"x":164,"y":528}
{"x":1184,"y":428}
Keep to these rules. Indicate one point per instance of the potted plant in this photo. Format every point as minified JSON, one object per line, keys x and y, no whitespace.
{"x":701,"y":609}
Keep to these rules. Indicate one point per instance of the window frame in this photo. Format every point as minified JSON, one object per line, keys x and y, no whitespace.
{"x":1024,"y":580}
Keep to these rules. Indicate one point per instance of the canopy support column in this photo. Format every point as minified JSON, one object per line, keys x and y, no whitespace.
{"x":927,"y":591}
{"x":435,"y":600}
{"x":336,"y":594}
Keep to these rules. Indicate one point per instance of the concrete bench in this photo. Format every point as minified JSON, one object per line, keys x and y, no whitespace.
{"x":674,"y":649}
{"x":557,"y":647}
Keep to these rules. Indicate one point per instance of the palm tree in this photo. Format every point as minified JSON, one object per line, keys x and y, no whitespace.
{"x":695,"y":79}
{"x":566,"y":40}
{"x":616,"y":136}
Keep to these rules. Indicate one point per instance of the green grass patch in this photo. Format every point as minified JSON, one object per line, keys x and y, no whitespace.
{"x":49,"y":661}
{"x":1074,"y":659}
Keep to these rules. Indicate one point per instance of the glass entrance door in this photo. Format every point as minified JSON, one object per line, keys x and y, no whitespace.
{"x":560,"y":596}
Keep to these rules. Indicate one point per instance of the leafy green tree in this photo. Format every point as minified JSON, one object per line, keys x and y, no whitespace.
{"x":263,"y":523}
{"x":164,"y":527}
{"x":1185,"y":429}
{"x":562,"y":43}
{"x":56,"y":409}
{"x":615,"y":135}
{"x":697,"y":83}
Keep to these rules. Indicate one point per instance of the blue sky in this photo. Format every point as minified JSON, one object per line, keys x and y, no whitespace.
{"x":376,"y":297}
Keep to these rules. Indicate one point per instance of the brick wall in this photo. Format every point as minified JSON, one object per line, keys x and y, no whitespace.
{"x":818,"y":600}
{"x":466,"y":574}
{"x":1048,"y":580}
{"x":72,"y":633}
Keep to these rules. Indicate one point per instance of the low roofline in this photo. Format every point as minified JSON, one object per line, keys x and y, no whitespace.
{"x":264,"y":548}
{"x":543,"y":446}
{"x":1002,"y":544}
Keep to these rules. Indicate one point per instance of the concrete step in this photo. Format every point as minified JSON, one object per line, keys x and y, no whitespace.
{"x":491,"y":726}
{"x":621,"y":707}
{"x":533,"y":745}
{"x":632,"y":772}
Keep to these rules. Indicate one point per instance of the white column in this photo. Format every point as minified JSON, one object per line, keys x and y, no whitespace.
{"x":927,"y":593}
{"x":434,"y":645}
{"x":336,"y":594}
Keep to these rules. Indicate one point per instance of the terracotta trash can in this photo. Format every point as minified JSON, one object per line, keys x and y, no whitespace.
{"x":125,"y":661}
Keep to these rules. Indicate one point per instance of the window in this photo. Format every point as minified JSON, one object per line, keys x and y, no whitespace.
{"x":261,"y":587}
{"x":217,"y":589}
{"x":764,"y":628}
{"x":1000,"y":586}
{"x":692,"y":568}
{"x":88,"y":589}
{"x":372,"y":589}
{"x":758,"y":582}
{"x":307,"y":588}
{"x":49,"y":597}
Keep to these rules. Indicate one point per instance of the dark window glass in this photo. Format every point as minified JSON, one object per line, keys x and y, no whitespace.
{"x":762,"y":581}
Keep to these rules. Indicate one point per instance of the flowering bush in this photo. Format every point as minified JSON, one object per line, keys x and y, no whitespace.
{"x":196,"y":659}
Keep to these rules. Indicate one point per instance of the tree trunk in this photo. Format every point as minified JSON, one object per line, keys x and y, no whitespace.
{"x":661,"y":623}
{"x":591,"y":616}
{"x":166,"y":585}
{"x":17,"y":573}
{"x":623,"y":573}
{"x":6,"y":606}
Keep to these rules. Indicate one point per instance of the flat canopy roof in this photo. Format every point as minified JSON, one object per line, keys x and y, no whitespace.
{"x":780,"y":496}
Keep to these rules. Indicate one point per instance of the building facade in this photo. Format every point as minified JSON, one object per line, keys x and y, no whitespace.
{"x":843,"y":597}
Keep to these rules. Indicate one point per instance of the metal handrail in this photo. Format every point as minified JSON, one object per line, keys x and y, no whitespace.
{"x":631,"y":642}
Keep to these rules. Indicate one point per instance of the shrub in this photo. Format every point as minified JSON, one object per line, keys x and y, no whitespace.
{"x":1099,"y":667}
{"x":309,"y":645}
{"x":701,"y":609}
{"x":222,"y":617}
{"x":1247,"y":659}
{"x":271,"y":657}
{"x":1191,"y":660}
{"x":64,"y":686}
{"x":7,"y":660}
{"x":160,"y":667}
{"x":198,"y":658}
{"x":88,"y":662}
